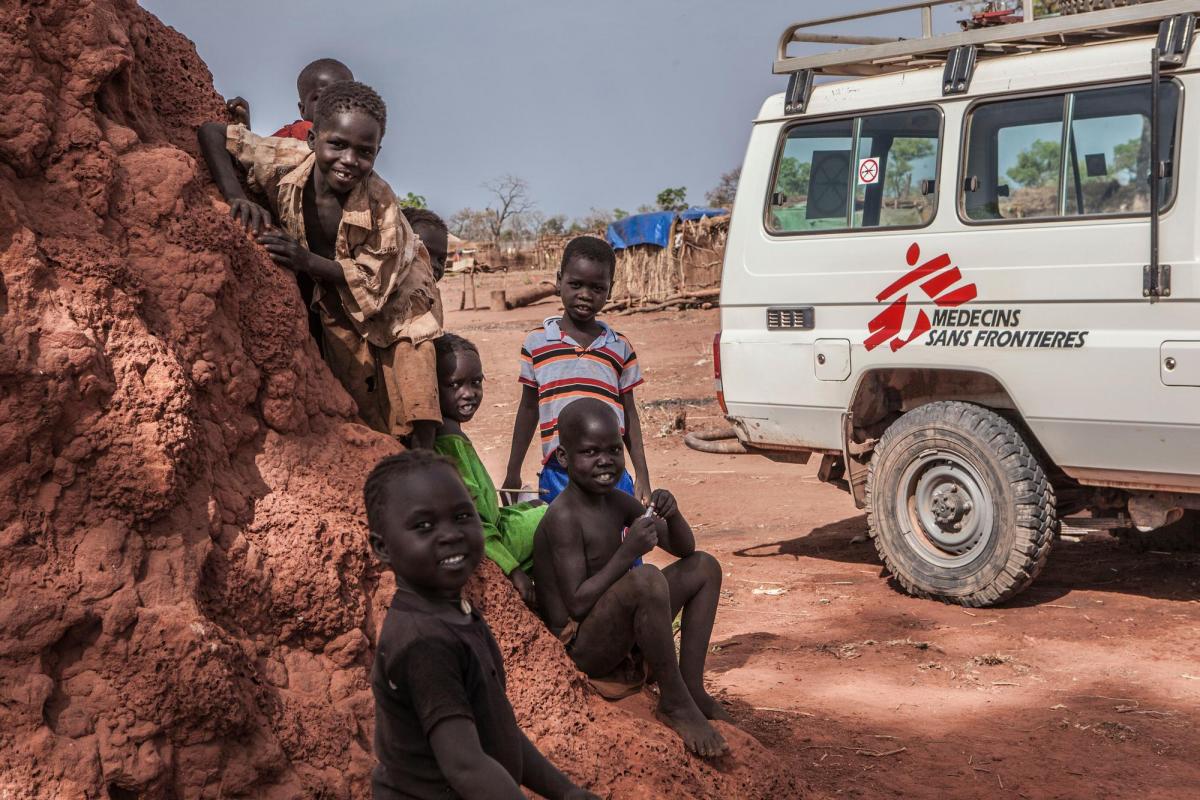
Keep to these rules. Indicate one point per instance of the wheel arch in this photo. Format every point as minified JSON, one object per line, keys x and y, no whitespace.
{"x":881,"y":395}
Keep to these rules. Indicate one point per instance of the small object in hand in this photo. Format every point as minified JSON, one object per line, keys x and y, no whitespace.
{"x":649,"y":512}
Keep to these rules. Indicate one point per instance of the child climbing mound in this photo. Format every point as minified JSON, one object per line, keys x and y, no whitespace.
{"x":507,"y":531}
{"x":443,"y":725}
{"x":341,"y":225}
{"x":594,"y":593}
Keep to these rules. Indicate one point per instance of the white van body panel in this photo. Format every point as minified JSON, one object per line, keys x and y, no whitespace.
{"x":1099,"y":406}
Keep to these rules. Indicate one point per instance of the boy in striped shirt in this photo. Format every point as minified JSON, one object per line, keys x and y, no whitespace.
{"x":577,"y":355}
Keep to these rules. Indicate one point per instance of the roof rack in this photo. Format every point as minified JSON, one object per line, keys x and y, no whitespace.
{"x":873,"y":55}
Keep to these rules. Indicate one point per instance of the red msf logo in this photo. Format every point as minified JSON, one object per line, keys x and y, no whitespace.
{"x":936,"y":280}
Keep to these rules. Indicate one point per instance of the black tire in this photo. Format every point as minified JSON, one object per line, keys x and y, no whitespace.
{"x":958,"y":505}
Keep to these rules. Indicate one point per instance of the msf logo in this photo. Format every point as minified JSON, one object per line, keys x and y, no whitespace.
{"x":937,"y":278}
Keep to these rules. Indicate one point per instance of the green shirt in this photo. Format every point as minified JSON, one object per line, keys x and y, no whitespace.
{"x":507,"y":530}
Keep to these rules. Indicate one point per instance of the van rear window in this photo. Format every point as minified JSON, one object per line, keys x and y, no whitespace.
{"x":877,"y":171}
{"x":1079,"y":154}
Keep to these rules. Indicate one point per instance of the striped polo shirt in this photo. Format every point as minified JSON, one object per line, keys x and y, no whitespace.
{"x":561,"y":371}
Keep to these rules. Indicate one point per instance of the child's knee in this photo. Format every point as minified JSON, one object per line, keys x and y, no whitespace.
{"x":649,"y":582}
{"x":706,"y":566}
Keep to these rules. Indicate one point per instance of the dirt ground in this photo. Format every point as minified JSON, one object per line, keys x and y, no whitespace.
{"x":1086,"y":686}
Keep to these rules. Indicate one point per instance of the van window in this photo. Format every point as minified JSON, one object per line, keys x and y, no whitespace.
{"x":1015,"y":154}
{"x":875,"y":171}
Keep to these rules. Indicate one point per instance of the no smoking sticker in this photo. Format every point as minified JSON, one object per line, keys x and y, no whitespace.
{"x":868,"y":170}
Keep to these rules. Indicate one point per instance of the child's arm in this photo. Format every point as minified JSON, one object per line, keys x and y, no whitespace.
{"x":470,"y":771}
{"x":289,"y":253}
{"x":678,"y":539}
{"x":637,"y":453}
{"x":579,"y":592}
{"x":544,"y":778}
{"x":523,"y":428}
{"x":224,"y":174}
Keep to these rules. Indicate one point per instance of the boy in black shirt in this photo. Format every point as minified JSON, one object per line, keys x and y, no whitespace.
{"x":443,"y":724}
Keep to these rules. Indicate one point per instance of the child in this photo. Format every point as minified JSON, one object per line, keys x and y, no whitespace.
{"x":434,"y":235}
{"x":593,"y":597}
{"x":342,"y":226}
{"x":311,"y":82}
{"x":443,"y":723}
{"x":577,"y":355}
{"x":508,"y":531}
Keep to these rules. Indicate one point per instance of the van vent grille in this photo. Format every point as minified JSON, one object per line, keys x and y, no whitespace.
{"x":794,"y":318}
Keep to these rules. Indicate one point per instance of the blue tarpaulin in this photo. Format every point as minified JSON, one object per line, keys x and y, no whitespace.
{"x":653,"y":228}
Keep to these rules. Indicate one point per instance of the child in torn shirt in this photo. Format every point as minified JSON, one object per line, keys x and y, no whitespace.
{"x":341,"y":224}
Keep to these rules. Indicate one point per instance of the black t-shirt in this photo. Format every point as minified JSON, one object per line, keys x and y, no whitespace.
{"x":426,"y":671}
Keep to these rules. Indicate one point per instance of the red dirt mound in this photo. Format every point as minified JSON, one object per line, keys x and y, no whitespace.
{"x":187,"y":601}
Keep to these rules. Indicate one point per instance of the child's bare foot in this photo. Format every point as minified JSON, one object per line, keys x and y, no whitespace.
{"x":710,"y":706}
{"x":698,"y":736}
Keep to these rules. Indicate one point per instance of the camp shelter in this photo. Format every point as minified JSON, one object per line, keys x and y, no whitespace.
{"x":664,"y":253}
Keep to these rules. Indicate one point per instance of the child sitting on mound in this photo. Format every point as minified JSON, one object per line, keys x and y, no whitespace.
{"x":443,"y":725}
{"x":508,"y":530}
{"x":597,"y":597}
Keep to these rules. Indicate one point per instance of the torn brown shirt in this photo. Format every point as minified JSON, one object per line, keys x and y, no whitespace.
{"x":379,"y":326}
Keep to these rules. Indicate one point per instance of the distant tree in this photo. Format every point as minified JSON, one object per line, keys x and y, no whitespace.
{"x":903,"y":153}
{"x":470,"y":224}
{"x":619,"y":213}
{"x":1133,"y":157}
{"x":721,"y":195}
{"x":411,"y":200}
{"x":672,"y":199}
{"x":794,"y":176}
{"x":511,"y":202}
{"x":646,"y":208}
{"x":554,"y":226}
{"x":1037,"y":165}
{"x":596,"y":219}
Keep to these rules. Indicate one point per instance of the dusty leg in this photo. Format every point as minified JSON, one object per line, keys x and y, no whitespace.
{"x":695,"y":583}
{"x":637,"y":609}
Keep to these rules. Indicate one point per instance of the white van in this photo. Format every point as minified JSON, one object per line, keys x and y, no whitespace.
{"x":968,"y":281}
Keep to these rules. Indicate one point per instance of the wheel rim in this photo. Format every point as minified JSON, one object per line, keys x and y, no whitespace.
{"x":947,"y":515}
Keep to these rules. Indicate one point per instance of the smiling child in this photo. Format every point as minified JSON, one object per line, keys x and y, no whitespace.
{"x":342,"y":226}
{"x":507,"y":531}
{"x":443,"y":725}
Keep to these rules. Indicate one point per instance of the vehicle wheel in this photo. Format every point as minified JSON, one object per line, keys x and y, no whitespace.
{"x":958,"y":505}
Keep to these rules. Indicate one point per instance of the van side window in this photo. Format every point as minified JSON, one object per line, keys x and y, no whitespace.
{"x":875,"y":171}
{"x":1016,"y":167}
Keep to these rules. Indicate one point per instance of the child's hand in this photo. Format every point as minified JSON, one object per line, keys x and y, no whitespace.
{"x":641,"y":489}
{"x":524,"y":586}
{"x":664,"y":504}
{"x":250,"y":214}
{"x":239,"y":111}
{"x":512,"y":480}
{"x":284,"y":250}
{"x":642,"y":536}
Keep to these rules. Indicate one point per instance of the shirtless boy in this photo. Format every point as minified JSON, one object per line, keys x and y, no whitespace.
{"x":591,"y":593}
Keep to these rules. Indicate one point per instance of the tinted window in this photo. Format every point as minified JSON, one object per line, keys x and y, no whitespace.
{"x":1015,"y":162}
{"x":872,"y":172}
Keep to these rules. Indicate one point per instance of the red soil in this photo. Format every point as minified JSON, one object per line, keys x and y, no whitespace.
{"x":188,"y":601}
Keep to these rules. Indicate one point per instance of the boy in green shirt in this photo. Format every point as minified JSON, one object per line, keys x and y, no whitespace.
{"x":507,"y":530}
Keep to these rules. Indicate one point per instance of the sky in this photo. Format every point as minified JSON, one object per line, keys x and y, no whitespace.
{"x":592,"y":104}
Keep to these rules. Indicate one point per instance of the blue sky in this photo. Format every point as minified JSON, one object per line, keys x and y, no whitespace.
{"x":593,"y":104}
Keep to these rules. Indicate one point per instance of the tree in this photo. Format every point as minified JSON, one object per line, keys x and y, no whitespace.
{"x":672,"y":199}
{"x":1037,"y":165}
{"x":721,"y":195}
{"x":595,"y":220}
{"x":900,"y":158}
{"x":411,"y":200}
{"x":793,"y":178}
{"x":619,"y":213}
{"x":512,"y":200}
{"x":554,"y":226}
{"x":470,"y":224}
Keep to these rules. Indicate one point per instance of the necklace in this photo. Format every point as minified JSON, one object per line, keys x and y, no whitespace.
{"x":465,"y":605}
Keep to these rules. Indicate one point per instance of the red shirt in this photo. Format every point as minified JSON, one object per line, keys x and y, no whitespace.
{"x":297,"y":130}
